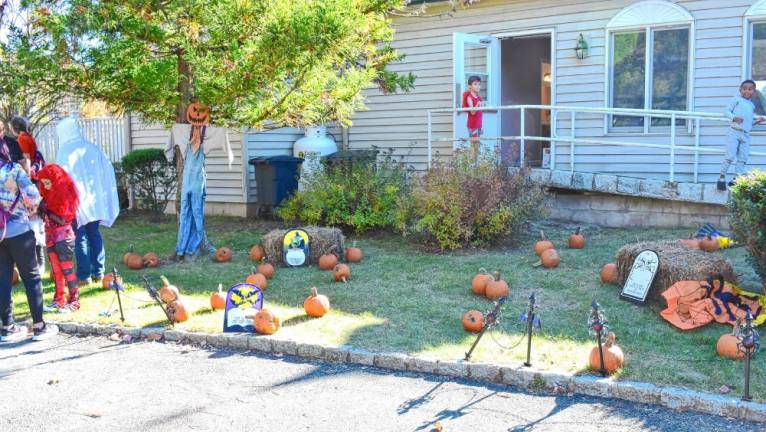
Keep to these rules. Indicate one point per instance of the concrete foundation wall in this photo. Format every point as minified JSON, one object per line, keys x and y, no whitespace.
{"x":626,"y":211}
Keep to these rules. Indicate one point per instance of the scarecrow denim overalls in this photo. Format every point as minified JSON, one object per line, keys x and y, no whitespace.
{"x":191,"y":230}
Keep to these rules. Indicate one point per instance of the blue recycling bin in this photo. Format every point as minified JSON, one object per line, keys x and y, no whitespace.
{"x":276,"y":178}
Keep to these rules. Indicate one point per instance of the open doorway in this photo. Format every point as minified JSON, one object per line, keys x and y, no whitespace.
{"x":525,"y":79}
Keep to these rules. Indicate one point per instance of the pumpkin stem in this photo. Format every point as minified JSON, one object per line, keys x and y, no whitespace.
{"x":709,"y":237}
{"x":542,"y":235}
{"x":165,"y":280}
{"x":577,"y":231}
{"x":220,"y":288}
{"x":314,"y":292}
{"x":482,"y":270}
{"x":497,"y":275}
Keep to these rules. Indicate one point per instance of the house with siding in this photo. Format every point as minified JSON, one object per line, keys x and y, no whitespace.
{"x":625,"y":88}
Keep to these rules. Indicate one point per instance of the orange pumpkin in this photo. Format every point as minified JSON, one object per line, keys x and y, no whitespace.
{"x":613,"y":356}
{"x":691,"y":242}
{"x":473,"y":321}
{"x":257,"y":279}
{"x":354,"y":254}
{"x":135,"y":262}
{"x":218,"y":299}
{"x":168,"y":293}
{"x":127,"y":255}
{"x":16,"y":277}
{"x":257,"y":253}
{"x":543,"y":244}
{"x":178,"y":311}
{"x":341,"y":272}
{"x":576,"y":240}
{"x":223,"y":254}
{"x":727,"y":346}
{"x":480,"y":281}
{"x":709,"y":244}
{"x":550,"y":258}
{"x":151,"y":260}
{"x":107,"y":280}
{"x":497,"y":288}
{"x":198,"y":114}
{"x":327,"y":262}
{"x":266,"y":269}
{"x":609,"y":274}
{"x":266,"y":322}
{"x":316,"y":305}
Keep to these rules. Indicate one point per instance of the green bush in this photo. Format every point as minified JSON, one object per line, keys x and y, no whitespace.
{"x":152,"y":178}
{"x":358,"y":196}
{"x":461,"y":203}
{"x":747,"y":204}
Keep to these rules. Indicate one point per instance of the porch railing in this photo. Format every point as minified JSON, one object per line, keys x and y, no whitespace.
{"x":559,"y":113}
{"x":106,"y":132}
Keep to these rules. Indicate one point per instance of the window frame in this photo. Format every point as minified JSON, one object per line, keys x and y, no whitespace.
{"x":755,"y":15}
{"x":648,"y":31}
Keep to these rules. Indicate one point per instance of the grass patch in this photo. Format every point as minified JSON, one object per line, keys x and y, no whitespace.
{"x":403,"y":298}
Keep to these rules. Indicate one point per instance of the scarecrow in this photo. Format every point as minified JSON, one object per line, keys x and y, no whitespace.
{"x":194,"y":141}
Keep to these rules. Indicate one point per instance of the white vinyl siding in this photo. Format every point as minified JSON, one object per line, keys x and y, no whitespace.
{"x":398,"y":121}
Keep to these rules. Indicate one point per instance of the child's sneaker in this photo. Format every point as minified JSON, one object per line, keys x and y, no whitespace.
{"x":721,"y":185}
{"x":53,"y":307}
{"x":72,"y":306}
{"x":44,"y":333}
{"x":13,"y":334}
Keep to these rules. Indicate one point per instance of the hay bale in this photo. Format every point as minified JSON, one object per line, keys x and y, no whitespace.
{"x":677,"y":263}
{"x":322,"y":241}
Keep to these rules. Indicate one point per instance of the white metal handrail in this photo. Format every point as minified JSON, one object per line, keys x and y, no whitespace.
{"x":672,"y":147}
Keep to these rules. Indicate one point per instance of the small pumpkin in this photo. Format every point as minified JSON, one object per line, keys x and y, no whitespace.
{"x":341,"y":272}
{"x":549,"y":259}
{"x":151,"y":260}
{"x":257,"y":253}
{"x":473,"y":321}
{"x":727,"y":347}
{"x":327,"y":261}
{"x":127,"y":255}
{"x":709,"y":244}
{"x":480,"y":281}
{"x":613,"y":356}
{"x":106,"y":282}
{"x":354,"y":254}
{"x":576,"y":240}
{"x":178,"y":312}
{"x":168,"y":293}
{"x":135,"y":262}
{"x":266,"y":269}
{"x":266,"y":322}
{"x":543,"y":244}
{"x":257,"y":279}
{"x":16,"y":278}
{"x":316,"y":305}
{"x":691,"y":242}
{"x":609,"y":274}
{"x":223,"y":254}
{"x":218,"y":299}
{"x":497,"y":288}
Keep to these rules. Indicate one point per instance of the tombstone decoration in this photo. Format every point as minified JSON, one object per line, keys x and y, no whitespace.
{"x":641,"y":276}
{"x":296,"y":248}
{"x":243,"y":301}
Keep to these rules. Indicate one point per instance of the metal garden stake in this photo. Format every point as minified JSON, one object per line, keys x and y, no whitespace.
{"x":490,"y":319}
{"x":532,"y":320}
{"x":117,"y":288}
{"x":598,"y":328}
{"x":749,"y":343}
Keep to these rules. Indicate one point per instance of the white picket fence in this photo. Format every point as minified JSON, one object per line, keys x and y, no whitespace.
{"x":106,"y":132}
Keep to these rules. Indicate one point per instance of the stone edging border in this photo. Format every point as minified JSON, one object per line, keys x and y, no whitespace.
{"x":522,"y":377}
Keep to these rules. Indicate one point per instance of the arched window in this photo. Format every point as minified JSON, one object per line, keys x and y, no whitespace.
{"x":649,"y":61}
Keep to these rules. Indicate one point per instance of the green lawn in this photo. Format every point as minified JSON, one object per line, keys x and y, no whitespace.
{"x":404,"y":298}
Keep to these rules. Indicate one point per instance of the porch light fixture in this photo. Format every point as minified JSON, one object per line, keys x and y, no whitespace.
{"x":547,"y":77}
{"x":581,"y":48}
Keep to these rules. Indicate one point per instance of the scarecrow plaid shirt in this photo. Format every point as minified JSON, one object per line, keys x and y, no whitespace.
{"x":14,"y":179}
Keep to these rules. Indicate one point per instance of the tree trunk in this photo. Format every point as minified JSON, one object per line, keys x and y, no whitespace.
{"x":184,"y":93}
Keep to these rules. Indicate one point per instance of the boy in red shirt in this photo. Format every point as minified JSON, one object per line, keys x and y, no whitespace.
{"x":472,"y":99}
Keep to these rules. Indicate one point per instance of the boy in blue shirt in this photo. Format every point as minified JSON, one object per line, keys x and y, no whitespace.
{"x":741,"y":112}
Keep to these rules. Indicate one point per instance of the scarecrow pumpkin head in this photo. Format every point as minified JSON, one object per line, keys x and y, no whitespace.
{"x":198,"y":114}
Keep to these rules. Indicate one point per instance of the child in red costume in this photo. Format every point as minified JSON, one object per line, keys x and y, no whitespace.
{"x":59,"y":209}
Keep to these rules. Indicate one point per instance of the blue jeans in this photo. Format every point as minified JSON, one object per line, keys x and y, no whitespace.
{"x":191,"y":230}
{"x":89,"y":251}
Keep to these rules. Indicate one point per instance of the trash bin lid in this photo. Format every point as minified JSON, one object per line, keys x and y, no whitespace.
{"x":270,"y":160}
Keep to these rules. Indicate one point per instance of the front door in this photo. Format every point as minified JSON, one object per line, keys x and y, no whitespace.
{"x":480,"y":56}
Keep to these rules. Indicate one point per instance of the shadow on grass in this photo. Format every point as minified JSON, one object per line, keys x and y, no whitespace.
{"x":298,"y":319}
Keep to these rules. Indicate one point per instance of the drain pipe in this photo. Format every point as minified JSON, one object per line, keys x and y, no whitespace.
{"x":344,"y":134}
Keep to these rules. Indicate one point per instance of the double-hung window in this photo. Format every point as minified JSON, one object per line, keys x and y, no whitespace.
{"x":649,"y":65}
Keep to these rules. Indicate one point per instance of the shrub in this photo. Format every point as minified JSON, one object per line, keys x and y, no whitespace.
{"x":359,"y":196}
{"x":152,"y":178}
{"x":461,"y":204}
{"x":747,"y":204}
